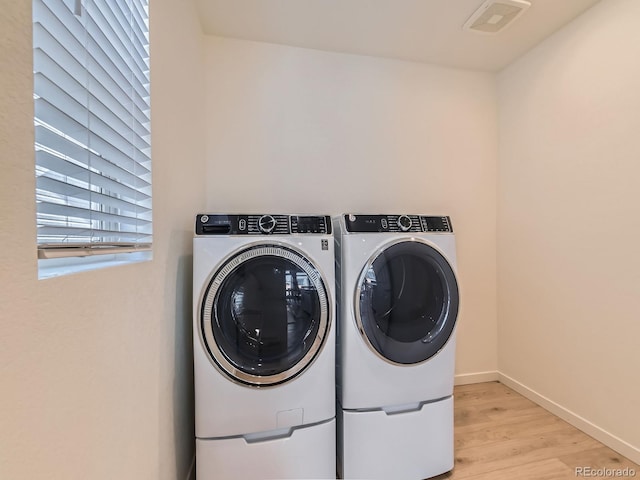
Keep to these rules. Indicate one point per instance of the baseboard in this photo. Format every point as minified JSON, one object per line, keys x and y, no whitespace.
{"x":478,"y":377}
{"x":608,"y":439}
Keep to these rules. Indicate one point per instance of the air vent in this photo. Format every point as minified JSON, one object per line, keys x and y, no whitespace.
{"x":493,"y":16}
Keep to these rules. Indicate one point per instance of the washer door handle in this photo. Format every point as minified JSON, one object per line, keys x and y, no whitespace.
{"x":268,"y":435}
{"x":406,"y":408}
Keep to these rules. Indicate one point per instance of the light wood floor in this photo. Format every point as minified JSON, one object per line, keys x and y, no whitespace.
{"x":499,"y":435}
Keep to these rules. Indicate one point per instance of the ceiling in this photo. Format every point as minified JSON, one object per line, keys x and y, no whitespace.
{"x":427,"y":31}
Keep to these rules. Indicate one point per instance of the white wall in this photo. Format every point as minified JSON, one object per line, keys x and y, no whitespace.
{"x":293,"y":129}
{"x":95,"y":368}
{"x":569,"y":222}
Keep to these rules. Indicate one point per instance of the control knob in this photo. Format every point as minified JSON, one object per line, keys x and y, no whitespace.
{"x":266,"y":224}
{"x":404,"y":223}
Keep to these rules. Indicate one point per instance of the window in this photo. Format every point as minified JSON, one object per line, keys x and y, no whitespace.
{"x":92,"y":131}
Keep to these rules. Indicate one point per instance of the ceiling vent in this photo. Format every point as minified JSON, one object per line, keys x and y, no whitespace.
{"x":494,"y":16}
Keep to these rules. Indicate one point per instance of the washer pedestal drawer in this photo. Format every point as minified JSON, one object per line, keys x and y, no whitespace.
{"x":404,"y":446}
{"x":309,"y":453}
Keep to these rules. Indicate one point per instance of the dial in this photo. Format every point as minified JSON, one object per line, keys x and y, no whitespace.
{"x":404,"y":223}
{"x":266,"y":223}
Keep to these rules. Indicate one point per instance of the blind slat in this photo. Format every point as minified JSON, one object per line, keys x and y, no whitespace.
{"x":70,"y":233}
{"x":82,"y":249}
{"x":60,"y":210}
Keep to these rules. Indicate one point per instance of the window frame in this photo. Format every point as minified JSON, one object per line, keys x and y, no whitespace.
{"x":93,"y":162}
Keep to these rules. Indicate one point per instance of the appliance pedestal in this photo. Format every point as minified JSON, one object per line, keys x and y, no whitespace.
{"x":404,"y":446}
{"x":309,"y":453}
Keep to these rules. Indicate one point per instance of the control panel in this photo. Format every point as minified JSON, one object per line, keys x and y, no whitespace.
{"x":217,"y":224}
{"x":396,"y":223}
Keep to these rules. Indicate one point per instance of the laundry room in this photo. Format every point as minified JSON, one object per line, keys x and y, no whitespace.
{"x":525,"y":139}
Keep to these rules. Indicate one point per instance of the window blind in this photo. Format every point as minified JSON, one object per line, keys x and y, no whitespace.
{"x":92,"y":126}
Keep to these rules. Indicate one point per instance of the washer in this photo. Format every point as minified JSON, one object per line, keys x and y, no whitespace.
{"x":397,"y":309}
{"x":264,"y":346}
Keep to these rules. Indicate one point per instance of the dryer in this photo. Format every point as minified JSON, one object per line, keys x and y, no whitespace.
{"x":264,"y":346}
{"x":398,"y":303}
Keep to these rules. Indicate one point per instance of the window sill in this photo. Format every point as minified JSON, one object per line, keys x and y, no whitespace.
{"x":57,"y":267}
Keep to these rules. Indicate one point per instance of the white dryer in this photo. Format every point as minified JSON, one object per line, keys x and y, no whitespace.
{"x":264,"y":346}
{"x":397,"y":309}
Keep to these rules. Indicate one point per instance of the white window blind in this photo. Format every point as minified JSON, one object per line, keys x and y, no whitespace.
{"x":92,"y":126}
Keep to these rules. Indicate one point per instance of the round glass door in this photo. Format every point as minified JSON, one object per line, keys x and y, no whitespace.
{"x":265,"y":315}
{"x":406,"y":302}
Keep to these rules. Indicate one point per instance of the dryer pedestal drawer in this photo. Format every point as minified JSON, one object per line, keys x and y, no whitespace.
{"x":309,"y":453}
{"x":404,"y":446}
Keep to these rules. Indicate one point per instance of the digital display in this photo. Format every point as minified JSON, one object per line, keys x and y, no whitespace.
{"x":309,"y":224}
{"x":437,"y":224}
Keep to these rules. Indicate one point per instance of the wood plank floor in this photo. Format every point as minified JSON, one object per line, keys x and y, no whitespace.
{"x":499,"y":434}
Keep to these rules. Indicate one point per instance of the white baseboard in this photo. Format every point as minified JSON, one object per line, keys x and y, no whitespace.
{"x":608,"y":439}
{"x":478,"y":377}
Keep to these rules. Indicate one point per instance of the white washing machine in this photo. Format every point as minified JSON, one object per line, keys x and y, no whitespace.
{"x":397,"y":309}
{"x":264,"y":347}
